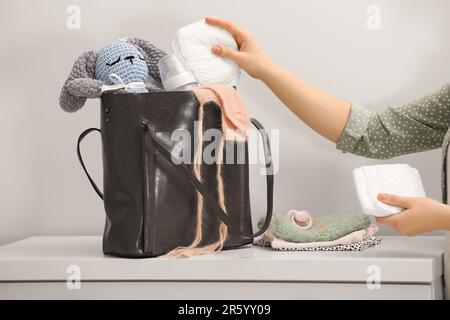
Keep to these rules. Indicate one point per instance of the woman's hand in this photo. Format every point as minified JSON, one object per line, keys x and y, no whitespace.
{"x":420,"y":215}
{"x":250,"y":56}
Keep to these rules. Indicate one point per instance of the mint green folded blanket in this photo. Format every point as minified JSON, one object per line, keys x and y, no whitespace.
{"x":326,"y":228}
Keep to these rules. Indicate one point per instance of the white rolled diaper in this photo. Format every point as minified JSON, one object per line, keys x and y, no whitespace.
{"x":192,"y":45}
{"x":397,"y":179}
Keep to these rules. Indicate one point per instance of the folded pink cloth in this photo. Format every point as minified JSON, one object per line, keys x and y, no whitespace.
{"x":351,"y":238}
{"x":235,"y":119}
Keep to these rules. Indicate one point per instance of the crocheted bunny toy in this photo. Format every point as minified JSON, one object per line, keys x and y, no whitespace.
{"x":129,"y":64}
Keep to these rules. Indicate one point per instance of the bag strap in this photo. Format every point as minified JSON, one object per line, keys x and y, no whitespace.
{"x":80,"y":158}
{"x":186,"y":173}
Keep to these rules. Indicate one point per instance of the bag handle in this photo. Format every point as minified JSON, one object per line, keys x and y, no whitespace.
{"x":186,"y":173}
{"x":80,"y":158}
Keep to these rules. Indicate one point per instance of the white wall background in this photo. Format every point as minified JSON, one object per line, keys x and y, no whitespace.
{"x":43,"y":190}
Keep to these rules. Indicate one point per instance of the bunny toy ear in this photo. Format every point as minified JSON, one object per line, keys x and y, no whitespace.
{"x":80,"y":84}
{"x":151,"y":54}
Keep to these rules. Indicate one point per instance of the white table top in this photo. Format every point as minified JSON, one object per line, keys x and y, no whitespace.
{"x":401,"y":260}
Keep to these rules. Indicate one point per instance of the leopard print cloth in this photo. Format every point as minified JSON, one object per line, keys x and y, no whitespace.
{"x":358,"y":246}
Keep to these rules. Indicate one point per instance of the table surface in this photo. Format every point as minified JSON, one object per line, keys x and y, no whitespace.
{"x":49,"y":258}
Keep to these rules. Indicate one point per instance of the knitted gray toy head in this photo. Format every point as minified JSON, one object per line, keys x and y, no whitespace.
{"x":131,"y":60}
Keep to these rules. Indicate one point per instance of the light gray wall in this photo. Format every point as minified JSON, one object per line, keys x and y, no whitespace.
{"x":326,"y":42}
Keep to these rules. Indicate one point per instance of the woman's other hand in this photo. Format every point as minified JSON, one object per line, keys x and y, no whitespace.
{"x":420,"y":215}
{"x":250,"y":56}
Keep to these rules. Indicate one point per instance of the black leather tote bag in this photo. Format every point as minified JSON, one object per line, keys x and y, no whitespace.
{"x":150,"y":201}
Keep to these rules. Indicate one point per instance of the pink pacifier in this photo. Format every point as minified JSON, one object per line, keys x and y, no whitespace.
{"x":301,"y":219}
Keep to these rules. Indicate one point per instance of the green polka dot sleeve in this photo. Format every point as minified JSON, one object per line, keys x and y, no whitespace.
{"x":415,"y":127}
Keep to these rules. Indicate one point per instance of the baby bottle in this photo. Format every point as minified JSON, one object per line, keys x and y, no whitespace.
{"x":174,"y":75}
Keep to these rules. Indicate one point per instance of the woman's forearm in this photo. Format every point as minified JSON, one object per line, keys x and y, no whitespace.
{"x":444,"y":221}
{"x":408,"y":129}
{"x":324,"y":113}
